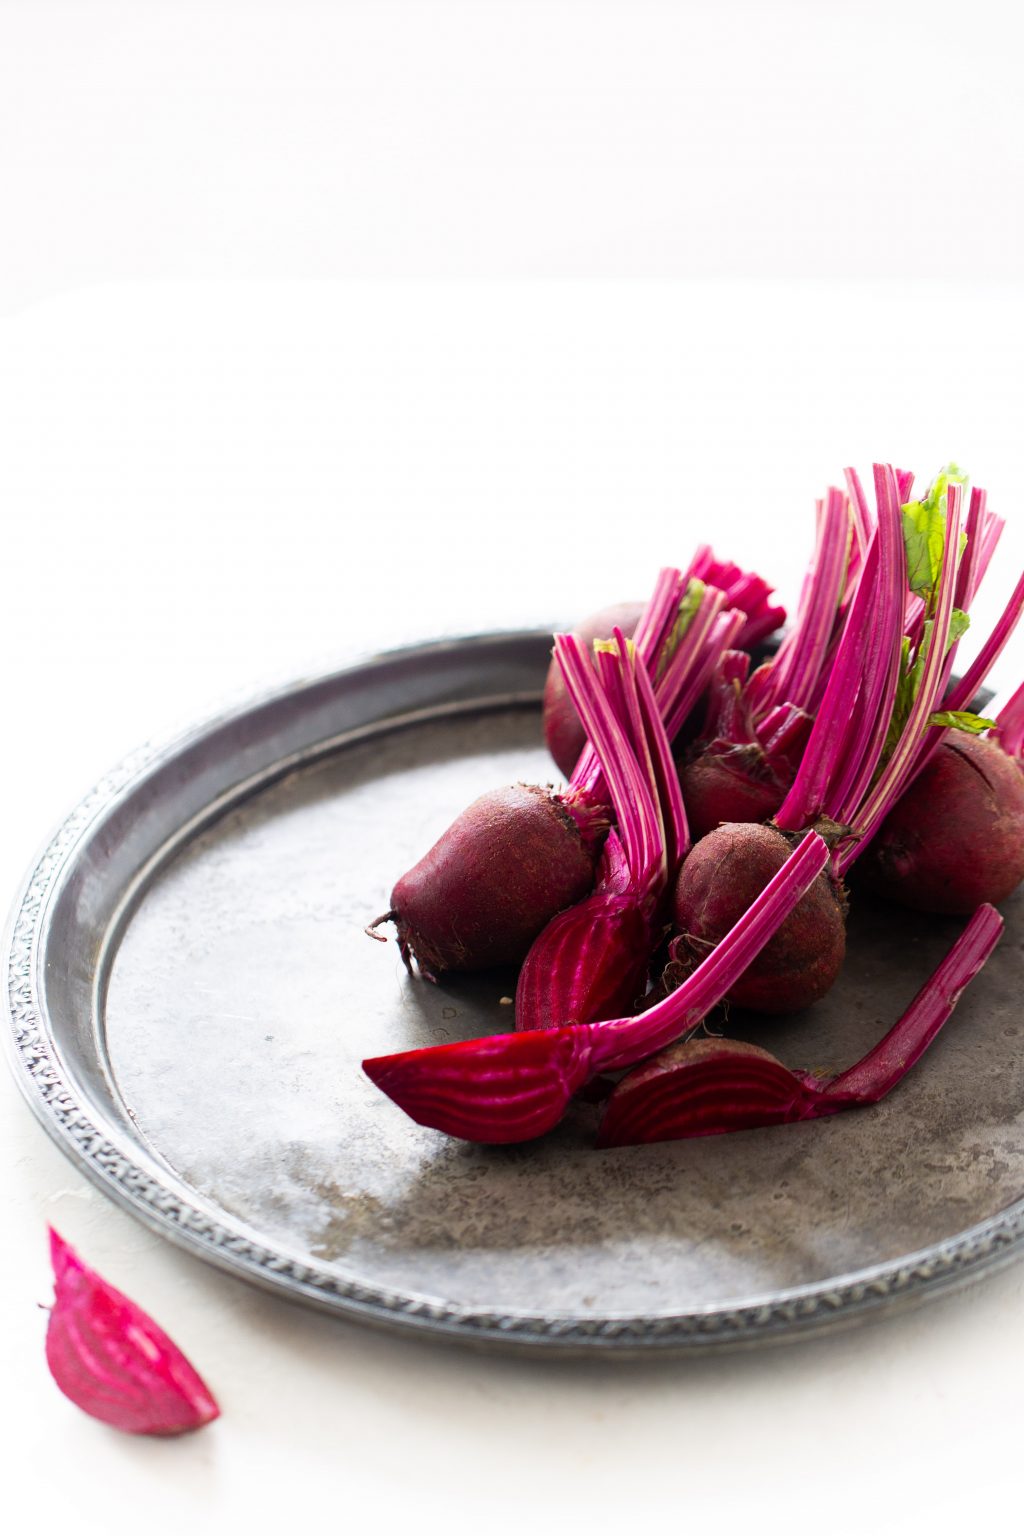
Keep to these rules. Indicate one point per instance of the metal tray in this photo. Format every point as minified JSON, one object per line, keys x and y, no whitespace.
{"x":191,"y":993}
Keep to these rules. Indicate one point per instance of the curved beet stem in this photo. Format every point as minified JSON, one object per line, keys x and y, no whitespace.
{"x":710,"y":1087}
{"x":513,"y":1087}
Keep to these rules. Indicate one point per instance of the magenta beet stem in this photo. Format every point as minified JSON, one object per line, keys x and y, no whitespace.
{"x":590,"y":962}
{"x":898,"y":769}
{"x":848,"y":736}
{"x":711,"y":1087}
{"x":803,"y":662}
{"x":881,"y":673}
{"x":882,"y":1068}
{"x":732,"y":610}
{"x":1010,"y":726}
{"x":513,"y":1087}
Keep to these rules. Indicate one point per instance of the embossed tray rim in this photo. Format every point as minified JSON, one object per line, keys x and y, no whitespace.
{"x":106,"y":1154}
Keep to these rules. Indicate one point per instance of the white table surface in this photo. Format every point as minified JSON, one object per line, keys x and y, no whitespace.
{"x":225,"y":457}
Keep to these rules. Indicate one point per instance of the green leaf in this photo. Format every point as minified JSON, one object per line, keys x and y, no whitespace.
{"x":924,"y":534}
{"x":904,"y":699}
{"x":959,"y":624}
{"x":962,"y":720}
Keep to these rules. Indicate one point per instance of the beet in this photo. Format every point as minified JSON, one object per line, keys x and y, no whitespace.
{"x":563,"y":732}
{"x":492,"y":881}
{"x":732,"y":785}
{"x":725,"y":871}
{"x":955,"y":839}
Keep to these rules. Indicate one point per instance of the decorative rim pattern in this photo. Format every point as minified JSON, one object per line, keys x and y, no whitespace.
{"x":101,"y":1155}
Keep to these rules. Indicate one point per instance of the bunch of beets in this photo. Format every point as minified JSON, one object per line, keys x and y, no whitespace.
{"x":712,"y":813}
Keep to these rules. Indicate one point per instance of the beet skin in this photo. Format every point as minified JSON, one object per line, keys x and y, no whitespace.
{"x":956,"y":838}
{"x":723,"y":874}
{"x":735,"y":785}
{"x":563,"y":732}
{"x":505,"y":867}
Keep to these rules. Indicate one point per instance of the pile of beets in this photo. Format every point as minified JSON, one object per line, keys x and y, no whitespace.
{"x":713,"y":810}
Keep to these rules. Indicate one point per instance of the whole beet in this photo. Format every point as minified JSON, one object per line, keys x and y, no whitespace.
{"x":491,"y":882}
{"x":735,"y":785}
{"x":956,"y":838}
{"x":720,"y":878}
{"x":563,"y":732}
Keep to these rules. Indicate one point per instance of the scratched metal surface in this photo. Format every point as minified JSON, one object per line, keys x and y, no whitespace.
{"x":237,"y":995}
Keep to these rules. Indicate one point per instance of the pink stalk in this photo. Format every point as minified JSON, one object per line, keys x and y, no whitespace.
{"x":652,"y":633}
{"x":744,"y":591}
{"x":637,"y":811}
{"x":860,"y":514}
{"x":955,"y":698}
{"x":591,"y":960}
{"x":680,"y":690}
{"x":869,"y":725}
{"x":966,"y":580}
{"x":782,"y":694}
{"x":506,"y":1088}
{"x":711,"y":1087}
{"x":1010,"y":726}
{"x":961,"y":694}
{"x":658,"y":618}
{"x":787,"y":741}
{"x":796,"y":677}
{"x":883,"y":1067}
{"x":727,"y":714}
{"x":831,"y":729}
{"x":901,"y":763}
{"x":848,"y":736}
{"x":667,"y":791}
{"x":680,"y":678}
{"x":905,"y":484}
{"x":679,"y":681}
{"x":990,"y":536}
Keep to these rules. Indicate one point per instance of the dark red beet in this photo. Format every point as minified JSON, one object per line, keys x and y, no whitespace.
{"x":956,"y":838}
{"x":723,"y":874}
{"x":735,"y":785}
{"x":501,"y":872}
{"x":563,"y":732}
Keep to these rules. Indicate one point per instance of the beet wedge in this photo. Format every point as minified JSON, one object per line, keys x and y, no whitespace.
{"x":112,"y":1361}
{"x":710,"y":1087}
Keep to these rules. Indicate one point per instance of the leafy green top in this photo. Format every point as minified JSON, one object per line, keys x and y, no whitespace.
{"x":924,"y":535}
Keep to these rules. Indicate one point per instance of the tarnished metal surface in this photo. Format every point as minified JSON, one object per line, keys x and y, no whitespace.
{"x":190,"y":1025}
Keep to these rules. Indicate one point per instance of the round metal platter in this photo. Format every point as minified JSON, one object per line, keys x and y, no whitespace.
{"x":191,"y":994}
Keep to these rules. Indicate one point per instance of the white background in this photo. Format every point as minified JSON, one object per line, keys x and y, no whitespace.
{"x":325,"y":327}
